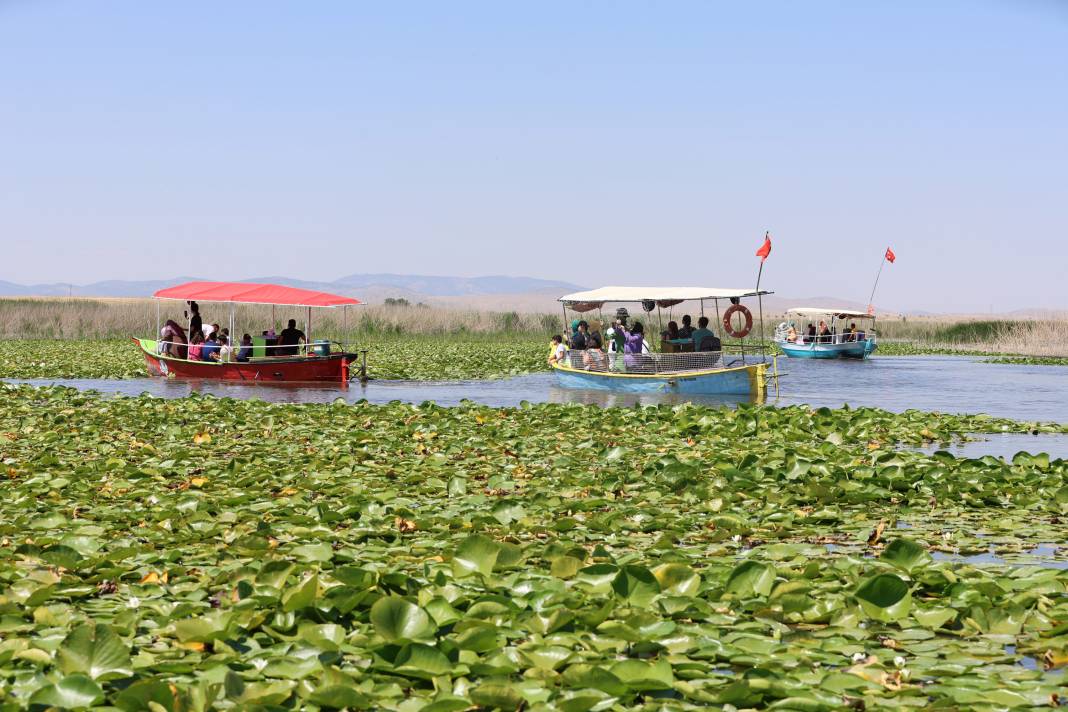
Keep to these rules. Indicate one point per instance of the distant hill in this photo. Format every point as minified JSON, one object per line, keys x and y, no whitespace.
{"x":368,"y":287}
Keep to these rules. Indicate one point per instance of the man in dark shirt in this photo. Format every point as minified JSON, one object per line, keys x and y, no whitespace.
{"x":195,"y":322}
{"x":288,"y":340}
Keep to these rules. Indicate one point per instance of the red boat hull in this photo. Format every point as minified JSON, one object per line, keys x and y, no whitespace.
{"x":333,"y":368}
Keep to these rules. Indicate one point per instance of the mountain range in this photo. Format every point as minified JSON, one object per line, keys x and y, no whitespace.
{"x":366,"y":287}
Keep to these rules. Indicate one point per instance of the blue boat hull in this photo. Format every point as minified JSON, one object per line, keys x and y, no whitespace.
{"x":744,"y":380}
{"x":856,"y":350}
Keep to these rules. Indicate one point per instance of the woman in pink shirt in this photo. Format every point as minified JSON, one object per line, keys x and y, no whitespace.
{"x":195,"y":341}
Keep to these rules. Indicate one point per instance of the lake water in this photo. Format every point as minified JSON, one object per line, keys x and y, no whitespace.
{"x":1007,"y":445}
{"x":935,"y":383}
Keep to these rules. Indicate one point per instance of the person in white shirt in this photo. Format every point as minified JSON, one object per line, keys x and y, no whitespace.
{"x":558,"y":352}
{"x":226,"y":352}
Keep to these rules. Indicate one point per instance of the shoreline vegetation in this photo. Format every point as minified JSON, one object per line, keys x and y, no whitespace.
{"x":89,"y":338}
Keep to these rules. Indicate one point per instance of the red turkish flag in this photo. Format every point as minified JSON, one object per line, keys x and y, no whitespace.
{"x":890,"y":256}
{"x":765,"y":249}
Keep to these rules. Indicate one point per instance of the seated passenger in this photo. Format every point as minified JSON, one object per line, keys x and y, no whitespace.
{"x":195,"y":343}
{"x":209,"y":351}
{"x":290,"y":339}
{"x":594,"y":358}
{"x":824,"y":333}
{"x":810,"y":337}
{"x":245,"y":353}
{"x":686,"y":330}
{"x":557,"y":351}
{"x":672,"y":332}
{"x":791,"y":334}
{"x":580,"y":336}
{"x":226,"y":352}
{"x":852,"y":331}
{"x":704,"y":339}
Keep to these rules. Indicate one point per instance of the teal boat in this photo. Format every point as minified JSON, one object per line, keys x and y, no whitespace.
{"x":816,"y":332}
{"x":730,"y":365}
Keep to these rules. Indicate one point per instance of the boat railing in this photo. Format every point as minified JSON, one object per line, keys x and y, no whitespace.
{"x":654,"y":363}
{"x":829,"y":339}
{"x":315,"y":349}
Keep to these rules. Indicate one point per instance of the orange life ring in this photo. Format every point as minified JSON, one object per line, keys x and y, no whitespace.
{"x":729,"y":328}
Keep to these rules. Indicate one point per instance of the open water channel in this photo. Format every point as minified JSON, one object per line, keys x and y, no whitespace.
{"x":949,"y":384}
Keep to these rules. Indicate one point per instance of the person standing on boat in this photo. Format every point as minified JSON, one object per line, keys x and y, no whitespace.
{"x":634,"y":346}
{"x":196,"y":324}
{"x":172,"y":339}
{"x":290,"y":338}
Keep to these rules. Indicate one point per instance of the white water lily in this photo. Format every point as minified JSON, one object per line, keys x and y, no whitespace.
{"x":899,"y":661}
{"x":133,"y":602}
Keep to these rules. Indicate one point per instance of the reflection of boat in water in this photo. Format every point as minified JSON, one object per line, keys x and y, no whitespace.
{"x":267,"y":361}
{"x":838,"y":343}
{"x":713,"y":366}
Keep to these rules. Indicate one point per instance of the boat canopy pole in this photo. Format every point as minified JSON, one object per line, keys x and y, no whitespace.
{"x":307,"y":335}
{"x":158,"y":327}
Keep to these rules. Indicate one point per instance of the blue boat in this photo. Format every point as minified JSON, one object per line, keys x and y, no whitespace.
{"x":836,"y":336}
{"x":738,"y":380}
{"x":671,"y":365}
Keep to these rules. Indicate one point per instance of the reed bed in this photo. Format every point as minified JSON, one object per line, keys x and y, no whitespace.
{"x":98,"y":319}
{"x":118,"y":318}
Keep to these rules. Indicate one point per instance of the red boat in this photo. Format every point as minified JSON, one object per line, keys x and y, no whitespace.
{"x":313,"y":360}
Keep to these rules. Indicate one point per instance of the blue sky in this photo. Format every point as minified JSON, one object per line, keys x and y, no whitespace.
{"x":595,"y":142}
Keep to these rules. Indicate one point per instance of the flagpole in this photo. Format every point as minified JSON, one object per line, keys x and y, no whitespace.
{"x":877,"y":275}
{"x":760,"y":306}
{"x":760,"y":299}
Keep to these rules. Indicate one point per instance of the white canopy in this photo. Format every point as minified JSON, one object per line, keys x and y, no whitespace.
{"x":657,"y":294}
{"x":830,"y":311}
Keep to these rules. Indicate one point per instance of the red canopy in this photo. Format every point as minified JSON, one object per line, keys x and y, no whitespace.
{"x":249,"y":293}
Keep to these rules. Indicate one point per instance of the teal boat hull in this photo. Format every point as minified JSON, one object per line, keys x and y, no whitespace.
{"x":743,"y":380}
{"x":854,"y":350}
